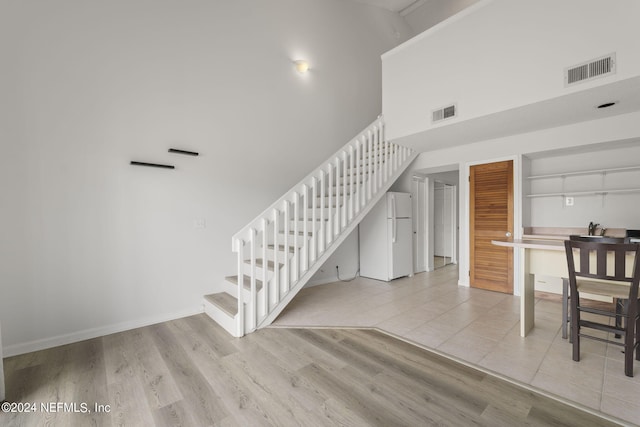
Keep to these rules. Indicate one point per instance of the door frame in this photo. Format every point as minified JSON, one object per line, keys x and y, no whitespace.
{"x":453,"y":189}
{"x":464,"y":235}
{"x":420,"y":193}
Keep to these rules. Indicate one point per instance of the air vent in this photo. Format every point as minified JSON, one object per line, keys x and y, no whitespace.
{"x":590,"y":70}
{"x":443,"y":113}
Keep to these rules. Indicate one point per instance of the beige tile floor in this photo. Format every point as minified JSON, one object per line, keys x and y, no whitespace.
{"x":478,"y":327}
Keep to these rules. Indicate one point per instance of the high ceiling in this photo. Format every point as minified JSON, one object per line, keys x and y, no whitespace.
{"x":393,"y":5}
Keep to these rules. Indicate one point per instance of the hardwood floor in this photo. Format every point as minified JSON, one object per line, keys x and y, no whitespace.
{"x":190,"y":372}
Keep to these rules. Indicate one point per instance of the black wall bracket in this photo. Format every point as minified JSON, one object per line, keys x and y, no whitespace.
{"x":185,"y":152}
{"x":153,"y":165}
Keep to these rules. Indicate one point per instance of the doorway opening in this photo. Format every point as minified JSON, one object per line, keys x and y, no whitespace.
{"x":444,"y":224}
{"x":436,"y":217}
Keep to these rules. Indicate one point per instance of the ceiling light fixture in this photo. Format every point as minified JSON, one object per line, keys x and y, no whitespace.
{"x":606,"y":105}
{"x":302,"y":66}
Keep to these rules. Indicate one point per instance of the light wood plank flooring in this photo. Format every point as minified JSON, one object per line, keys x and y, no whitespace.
{"x":190,"y":372}
{"x":480,"y":328}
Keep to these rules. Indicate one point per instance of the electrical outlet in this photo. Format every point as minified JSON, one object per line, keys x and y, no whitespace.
{"x":568,"y":201}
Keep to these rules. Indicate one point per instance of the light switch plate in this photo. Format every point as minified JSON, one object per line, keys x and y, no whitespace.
{"x":568,"y":201}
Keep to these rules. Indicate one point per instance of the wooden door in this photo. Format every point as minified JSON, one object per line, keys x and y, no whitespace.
{"x":491,"y":218}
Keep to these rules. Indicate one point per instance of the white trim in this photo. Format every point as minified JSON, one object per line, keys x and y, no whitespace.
{"x":421,"y":193}
{"x":41,"y":344}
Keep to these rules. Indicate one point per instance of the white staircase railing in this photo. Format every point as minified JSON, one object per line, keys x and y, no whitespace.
{"x":280,"y":250}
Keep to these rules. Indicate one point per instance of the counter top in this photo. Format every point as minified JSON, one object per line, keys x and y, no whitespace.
{"x":553,"y":245}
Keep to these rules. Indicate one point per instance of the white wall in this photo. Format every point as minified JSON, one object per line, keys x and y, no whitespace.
{"x":346,"y":258}
{"x":501,"y":54}
{"x":91,"y":244}
{"x":615,"y":210}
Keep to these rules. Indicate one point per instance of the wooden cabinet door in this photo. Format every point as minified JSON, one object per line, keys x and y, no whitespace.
{"x":491,"y":218}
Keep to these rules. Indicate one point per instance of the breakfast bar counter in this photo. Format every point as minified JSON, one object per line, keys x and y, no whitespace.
{"x":537,"y":256}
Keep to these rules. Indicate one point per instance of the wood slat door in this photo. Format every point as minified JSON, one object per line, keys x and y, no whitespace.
{"x":491,"y":218}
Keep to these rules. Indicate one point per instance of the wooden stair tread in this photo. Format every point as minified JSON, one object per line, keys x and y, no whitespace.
{"x":224,"y":301}
{"x":246,"y":283}
{"x":259,"y":263}
{"x":281,"y":248}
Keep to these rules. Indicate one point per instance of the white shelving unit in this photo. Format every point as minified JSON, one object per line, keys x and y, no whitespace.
{"x":602,"y":191}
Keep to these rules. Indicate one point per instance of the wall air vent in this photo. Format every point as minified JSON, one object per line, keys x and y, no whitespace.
{"x":444,"y":113}
{"x":590,"y":70}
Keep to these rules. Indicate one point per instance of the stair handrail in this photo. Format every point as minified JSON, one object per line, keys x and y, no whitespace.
{"x":244,"y":233}
{"x":363,"y":169}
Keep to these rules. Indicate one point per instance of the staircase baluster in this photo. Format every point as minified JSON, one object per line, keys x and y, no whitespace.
{"x":337,"y":210}
{"x":370,"y":170}
{"x":375,"y":160}
{"x":286,"y":277}
{"x":396,"y":163}
{"x":254,"y":295}
{"x":329,"y":206}
{"x":385,"y":166}
{"x":305,"y":228}
{"x":362,"y":193}
{"x":265,"y":244}
{"x":356,"y":194}
{"x":321,"y":238}
{"x":296,"y":234}
{"x":351,"y":167}
{"x":345,"y":204}
{"x":276,"y":250}
{"x":314,"y":208}
{"x":240,"y":267}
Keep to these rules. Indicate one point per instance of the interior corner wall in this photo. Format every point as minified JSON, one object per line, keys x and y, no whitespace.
{"x":92,"y":245}
{"x":433,"y":12}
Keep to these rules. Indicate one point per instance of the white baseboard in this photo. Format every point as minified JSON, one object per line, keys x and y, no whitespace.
{"x":41,"y":344}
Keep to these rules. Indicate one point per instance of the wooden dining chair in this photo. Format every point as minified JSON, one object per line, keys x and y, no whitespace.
{"x":619,"y":303}
{"x":608,"y":269}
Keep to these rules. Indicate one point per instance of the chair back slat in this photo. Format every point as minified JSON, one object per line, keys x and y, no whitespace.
{"x":602,"y":262}
{"x":610,"y":259}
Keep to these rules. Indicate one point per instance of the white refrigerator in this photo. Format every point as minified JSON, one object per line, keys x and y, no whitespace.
{"x":386,"y":241}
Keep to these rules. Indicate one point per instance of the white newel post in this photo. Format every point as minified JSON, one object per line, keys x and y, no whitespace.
{"x":1,"y":369}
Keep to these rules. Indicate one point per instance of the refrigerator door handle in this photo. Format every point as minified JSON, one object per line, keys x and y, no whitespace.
{"x":394,"y":232}
{"x":394,"y":224}
{"x":393,"y":206}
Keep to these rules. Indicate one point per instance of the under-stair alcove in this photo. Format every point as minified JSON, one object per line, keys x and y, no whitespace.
{"x":280,"y":250}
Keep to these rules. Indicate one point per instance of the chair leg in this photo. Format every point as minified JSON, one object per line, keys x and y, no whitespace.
{"x":575,"y":326}
{"x":619,"y":311}
{"x":628,"y":352}
{"x":637,"y":331}
{"x":630,"y":338}
{"x":565,"y":306}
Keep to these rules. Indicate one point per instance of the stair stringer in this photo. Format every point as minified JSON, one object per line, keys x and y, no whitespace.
{"x":335,"y":244}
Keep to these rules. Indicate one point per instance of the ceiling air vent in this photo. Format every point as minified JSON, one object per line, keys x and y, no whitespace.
{"x":590,"y":70}
{"x":443,"y":113}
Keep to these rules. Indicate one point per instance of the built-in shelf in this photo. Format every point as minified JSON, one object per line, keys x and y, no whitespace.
{"x":600,"y":192}
{"x":585,"y":172}
{"x":586,"y":193}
